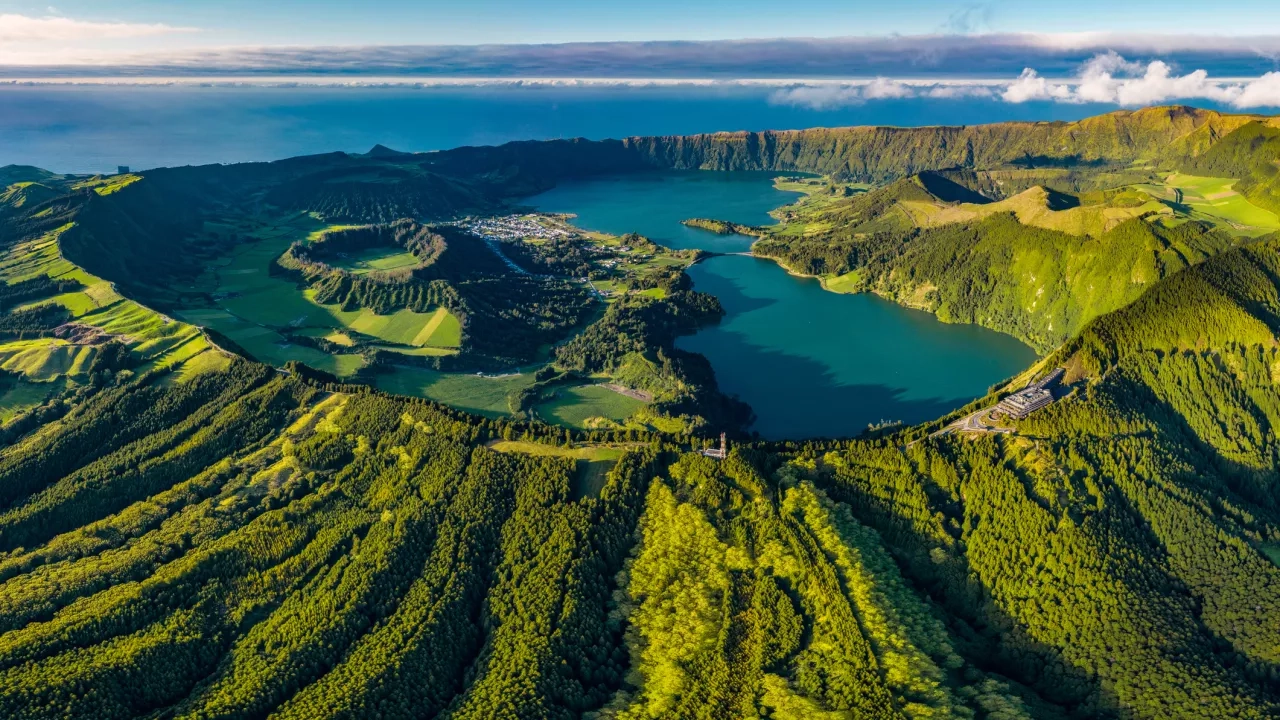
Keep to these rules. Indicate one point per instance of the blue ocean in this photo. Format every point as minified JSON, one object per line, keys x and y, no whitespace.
{"x":90,"y":128}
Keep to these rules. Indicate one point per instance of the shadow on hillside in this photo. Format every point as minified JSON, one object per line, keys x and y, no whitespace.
{"x":986,"y":636}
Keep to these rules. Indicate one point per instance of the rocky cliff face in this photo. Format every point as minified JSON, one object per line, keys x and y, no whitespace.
{"x":877,"y":154}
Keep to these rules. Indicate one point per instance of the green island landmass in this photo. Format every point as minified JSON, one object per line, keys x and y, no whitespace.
{"x":724,"y":227}
{"x":248,"y":467}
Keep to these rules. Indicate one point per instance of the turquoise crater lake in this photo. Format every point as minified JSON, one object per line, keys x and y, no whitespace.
{"x":811,"y":363}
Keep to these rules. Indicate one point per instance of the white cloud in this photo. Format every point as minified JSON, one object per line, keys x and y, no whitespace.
{"x":56,"y":28}
{"x":886,"y":89}
{"x":1262,"y":92}
{"x":1030,"y":86}
{"x":1103,"y":80}
{"x":1096,"y":76}
{"x":830,"y":96}
{"x":820,"y":97}
{"x":959,"y":92}
{"x":1158,"y":84}
{"x":1109,"y":78}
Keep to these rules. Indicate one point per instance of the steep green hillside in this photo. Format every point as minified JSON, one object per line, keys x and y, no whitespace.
{"x":22,"y":174}
{"x":252,"y":543}
{"x":61,"y":327}
{"x":25,"y":194}
{"x":1039,"y":285}
{"x":1031,"y":246}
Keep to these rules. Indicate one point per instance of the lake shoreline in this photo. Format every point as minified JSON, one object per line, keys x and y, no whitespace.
{"x":822,"y":282}
{"x":810,"y":361}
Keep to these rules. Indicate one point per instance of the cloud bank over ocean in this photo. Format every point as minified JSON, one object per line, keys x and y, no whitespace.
{"x":1120,"y":69}
{"x":984,"y":56}
{"x":1105,"y":78}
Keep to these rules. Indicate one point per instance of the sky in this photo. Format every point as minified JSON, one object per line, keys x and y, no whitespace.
{"x":205,"y":23}
{"x":822,"y":51}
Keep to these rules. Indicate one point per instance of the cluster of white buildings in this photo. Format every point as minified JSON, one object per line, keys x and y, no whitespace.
{"x":513,"y":227}
{"x":1029,"y":399}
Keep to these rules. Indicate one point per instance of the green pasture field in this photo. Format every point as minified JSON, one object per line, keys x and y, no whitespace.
{"x":270,"y":346}
{"x":202,"y":363}
{"x":18,"y":395}
{"x":574,"y":406}
{"x":1199,"y":187}
{"x":108,"y":184}
{"x":580,"y":452}
{"x":427,"y":351}
{"x":842,"y":283}
{"x":1216,"y":198}
{"x":377,"y":259}
{"x":77,"y":303}
{"x":45,"y":359}
{"x":473,"y":393}
{"x":336,"y":337}
{"x":34,"y":258}
{"x":1236,"y":209}
{"x":1272,"y":551}
{"x":404,"y":327}
{"x":443,"y":330}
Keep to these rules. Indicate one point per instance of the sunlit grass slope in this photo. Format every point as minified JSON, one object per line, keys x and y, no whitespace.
{"x":96,"y":315}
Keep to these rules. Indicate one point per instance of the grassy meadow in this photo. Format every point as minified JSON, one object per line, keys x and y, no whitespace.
{"x":34,"y":368}
{"x":1216,"y":199}
{"x":479,"y":394}
{"x":18,"y":395}
{"x":376,"y":260}
{"x":574,"y":406}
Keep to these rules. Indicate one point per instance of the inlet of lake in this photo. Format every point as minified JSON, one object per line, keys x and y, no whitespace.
{"x":811,"y":363}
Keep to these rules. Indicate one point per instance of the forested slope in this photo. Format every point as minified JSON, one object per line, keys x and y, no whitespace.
{"x":1037,"y":284}
{"x":251,"y":543}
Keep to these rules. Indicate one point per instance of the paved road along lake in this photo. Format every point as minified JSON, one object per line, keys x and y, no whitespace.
{"x":810,"y":362}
